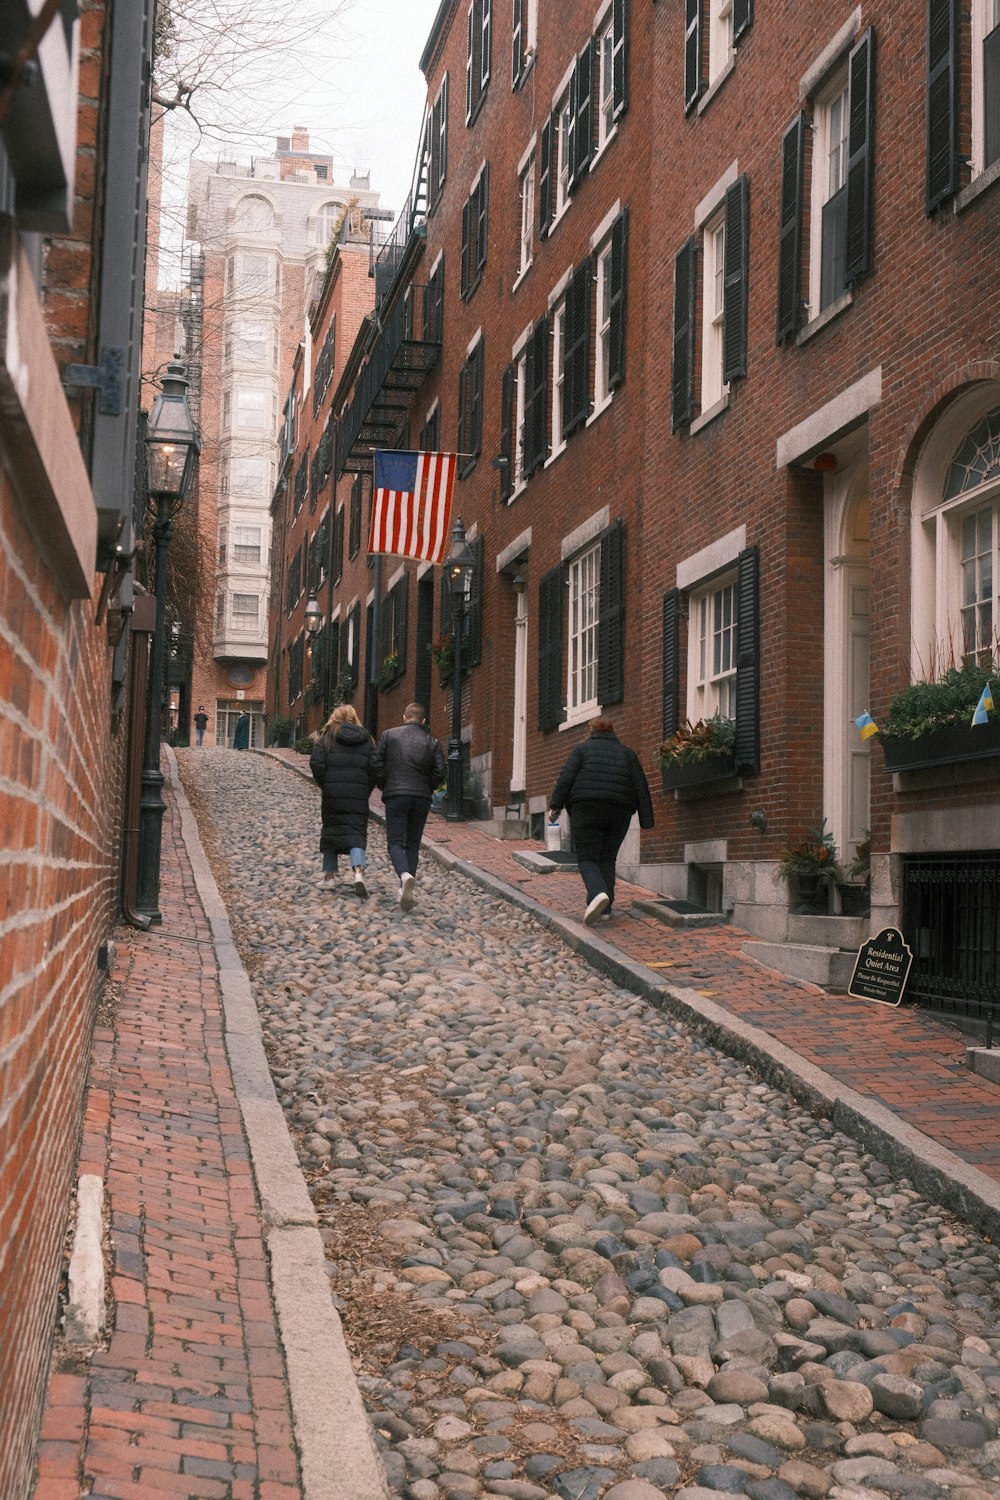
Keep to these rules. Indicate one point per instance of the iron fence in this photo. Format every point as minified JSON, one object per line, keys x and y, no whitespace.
{"x":951,"y":921}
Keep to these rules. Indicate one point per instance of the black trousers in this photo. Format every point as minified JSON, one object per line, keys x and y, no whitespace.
{"x":404,"y":828}
{"x":599,"y":829}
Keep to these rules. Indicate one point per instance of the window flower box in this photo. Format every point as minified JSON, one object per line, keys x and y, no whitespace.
{"x":718,"y":767}
{"x":950,"y":745}
{"x":696,"y":754}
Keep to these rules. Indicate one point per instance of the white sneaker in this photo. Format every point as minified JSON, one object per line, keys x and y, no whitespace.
{"x":406,"y":885}
{"x":360,"y":889}
{"x":596,"y":908}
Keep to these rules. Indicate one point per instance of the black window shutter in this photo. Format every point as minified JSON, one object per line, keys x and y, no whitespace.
{"x":539,"y":437}
{"x":860,"y":156}
{"x":517,"y":44}
{"x":742,"y":18}
{"x":463,"y":439}
{"x":545,"y":178}
{"x":583,"y":148}
{"x":619,"y":290}
{"x":402,"y":592}
{"x":611,"y":618}
{"x":685,"y":271}
{"x":671,"y":662}
{"x":748,"y":660}
{"x":735,"y":281}
{"x":991,"y":98}
{"x":337,"y":567}
{"x":443,"y":153}
{"x":506,"y":433}
{"x":692,"y":54}
{"x":790,"y":229}
{"x":476,"y":423}
{"x":444,"y":602}
{"x":471,"y":63}
{"x":472,"y":646}
{"x":437,"y":301}
{"x":466,"y":236}
{"x":942,"y":101}
{"x":384,"y":631}
{"x":570,"y":129}
{"x":550,"y":634}
{"x":576,"y":375}
{"x":483,"y":210}
{"x":355,"y":619}
{"x":619,"y":61}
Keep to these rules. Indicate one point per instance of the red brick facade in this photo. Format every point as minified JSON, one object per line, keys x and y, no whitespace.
{"x":796,"y":338}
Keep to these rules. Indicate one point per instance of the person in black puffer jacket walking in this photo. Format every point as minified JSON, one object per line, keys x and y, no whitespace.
{"x":601,"y":785}
{"x":342,"y":764}
{"x":409,"y":764}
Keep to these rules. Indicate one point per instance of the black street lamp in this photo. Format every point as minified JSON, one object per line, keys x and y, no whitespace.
{"x":313,"y":624}
{"x":172,"y":449}
{"x":460,"y":565}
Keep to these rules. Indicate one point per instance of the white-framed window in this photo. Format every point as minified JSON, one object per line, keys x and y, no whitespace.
{"x":222,"y":546}
{"x":220,"y":611}
{"x":558,"y":342}
{"x":526,"y":199}
{"x":978,"y":536}
{"x":712,"y":651}
{"x":477,"y":65}
{"x":985,"y":33}
{"x":720,"y":37}
{"x":246,"y":544}
{"x":605,"y":79}
{"x":253,"y":215}
{"x":602,"y":327}
{"x":524,"y":38}
{"x":828,"y":232}
{"x":584,"y":580}
{"x":248,"y":477}
{"x":714,"y":261}
{"x":246,"y":611}
{"x":250,"y":343}
{"x":254,"y":275}
{"x":227,"y":410}
{"x":326,"y":223}
{"x":251,"y":408}
{"x":561,"y":147}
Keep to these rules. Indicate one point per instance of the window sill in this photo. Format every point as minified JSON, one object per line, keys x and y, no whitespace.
{"x":555,"y":454}
{"x":819,"y":322}
{"x":605,"y":403}
{"x":473,"y":115}
{"x":517,"y":492}
{"x":978,"y":185}
{"x":716,"y":85}
{"x":709,"y":414}
{"x":526,"y":69}
{"x":579,"y":716}
{"x":521,"y":275}
{"x":604,"y":146}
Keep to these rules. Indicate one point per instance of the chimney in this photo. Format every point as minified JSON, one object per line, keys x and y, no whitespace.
{"x":300,"y":138}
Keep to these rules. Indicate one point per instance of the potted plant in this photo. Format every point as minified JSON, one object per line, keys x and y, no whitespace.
{"x":279,"y":731}
{"x":695,"y":753}
{"x":808,"y":866}
{"x":343,"y":688}
{"x":389,"y":670}
{"x":443,"y":652}
{"x":930,"y":723}
{"x":855,"y":891}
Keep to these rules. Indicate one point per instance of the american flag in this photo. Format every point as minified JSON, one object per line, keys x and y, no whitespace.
{"x":411,"y":510}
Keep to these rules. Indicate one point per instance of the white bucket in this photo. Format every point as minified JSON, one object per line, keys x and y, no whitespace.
{"x":553,"y":837}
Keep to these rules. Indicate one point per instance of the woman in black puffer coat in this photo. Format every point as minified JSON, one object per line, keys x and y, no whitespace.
{"x":601,"y":786}
{"x":341,"y":764}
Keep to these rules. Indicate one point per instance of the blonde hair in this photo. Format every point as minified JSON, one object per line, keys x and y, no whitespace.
{"x":342,"y":714}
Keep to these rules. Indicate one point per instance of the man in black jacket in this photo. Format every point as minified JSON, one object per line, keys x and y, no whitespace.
{"x":601,"y":785}
{"x":408,"y":763}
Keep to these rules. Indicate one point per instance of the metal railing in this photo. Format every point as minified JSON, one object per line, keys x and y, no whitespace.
{"x":951,"y":921}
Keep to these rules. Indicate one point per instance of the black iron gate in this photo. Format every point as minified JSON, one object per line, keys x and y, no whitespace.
{"x":951,"y":920}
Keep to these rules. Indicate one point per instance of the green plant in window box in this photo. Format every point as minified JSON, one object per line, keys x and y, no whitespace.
{"x":693,"y":744}
{"x":926,"y":706}
{"x":389,"y":670}
{"x":343,"y":688}
{"x":443,"y":652}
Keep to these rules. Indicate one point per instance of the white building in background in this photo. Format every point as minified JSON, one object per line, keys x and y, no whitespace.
{"x":261,"y":228}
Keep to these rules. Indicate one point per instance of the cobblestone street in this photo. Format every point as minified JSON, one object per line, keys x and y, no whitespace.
{"x":579,"y":1253}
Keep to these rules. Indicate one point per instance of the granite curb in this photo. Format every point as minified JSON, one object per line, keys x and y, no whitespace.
{"x":938,"y":1173}
{"x":336,"y":1446}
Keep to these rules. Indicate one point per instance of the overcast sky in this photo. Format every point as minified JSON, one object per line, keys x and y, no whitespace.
{"x":356,"y":86}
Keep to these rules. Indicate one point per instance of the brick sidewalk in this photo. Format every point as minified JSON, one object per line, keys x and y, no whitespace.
{"x":190,"y":1396}
{"x":902,"y":1059}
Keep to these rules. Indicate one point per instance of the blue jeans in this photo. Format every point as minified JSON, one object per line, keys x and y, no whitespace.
{"x":404,"y":828}
{"x":330,"y":861}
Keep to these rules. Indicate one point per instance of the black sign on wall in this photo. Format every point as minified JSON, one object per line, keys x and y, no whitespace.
{"x":882,"y":968}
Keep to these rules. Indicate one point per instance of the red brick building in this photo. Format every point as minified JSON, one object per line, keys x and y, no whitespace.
{"x":74,"y":131}
{"x":706,"y":298}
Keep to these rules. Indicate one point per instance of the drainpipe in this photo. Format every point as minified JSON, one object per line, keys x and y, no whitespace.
{"x":142,"y":623}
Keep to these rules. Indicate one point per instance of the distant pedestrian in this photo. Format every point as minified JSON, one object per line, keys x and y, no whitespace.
{"x":200,"y":725}
{"x":601,"y":785}
{"x":409,"y":766}
{"x":241,"y":735}
{"x":342,"y":766}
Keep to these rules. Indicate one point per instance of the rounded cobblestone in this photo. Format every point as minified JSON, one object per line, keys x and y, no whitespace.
{"x":579,"y":1252}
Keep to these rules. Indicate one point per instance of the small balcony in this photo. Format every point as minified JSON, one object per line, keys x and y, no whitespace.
{"x":405,"y":351}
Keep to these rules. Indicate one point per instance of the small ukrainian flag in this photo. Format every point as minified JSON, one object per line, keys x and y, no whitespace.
{"x":983,"y":706}
{"x":866,"y":724}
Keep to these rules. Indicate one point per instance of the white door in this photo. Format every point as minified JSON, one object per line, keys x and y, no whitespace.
{"x":857,"y":801}
{"x":519,"y":766}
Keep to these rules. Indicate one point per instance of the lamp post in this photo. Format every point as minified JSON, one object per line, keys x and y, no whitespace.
{"x":172,"y":449}
{"x":314,"y":624}
{"x":460,"y":565}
